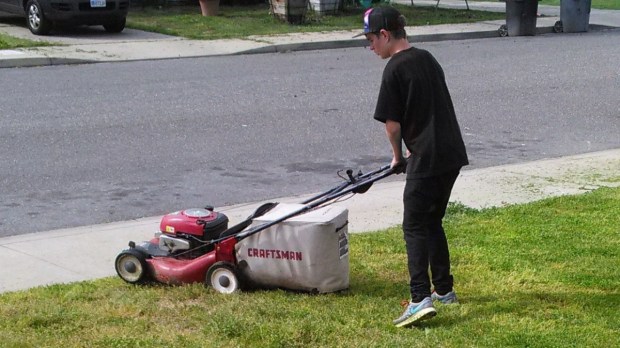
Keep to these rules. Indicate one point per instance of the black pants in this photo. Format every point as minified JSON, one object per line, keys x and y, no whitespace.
{"x":425,"y":203}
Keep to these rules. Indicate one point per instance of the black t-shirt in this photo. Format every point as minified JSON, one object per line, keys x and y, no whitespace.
{"x":414,"y":93}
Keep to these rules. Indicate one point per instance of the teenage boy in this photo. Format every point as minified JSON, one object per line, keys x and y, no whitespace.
{"x":416,"y":107}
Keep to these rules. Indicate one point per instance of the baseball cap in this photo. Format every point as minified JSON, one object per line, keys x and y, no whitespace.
{"x":378,"y":18}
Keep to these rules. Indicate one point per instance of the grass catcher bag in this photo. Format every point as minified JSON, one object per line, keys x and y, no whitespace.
{"x":309,"y":252}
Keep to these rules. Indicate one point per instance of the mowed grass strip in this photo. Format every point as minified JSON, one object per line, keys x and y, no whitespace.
{"x":544,"y":274}
{"x":10,"y":42}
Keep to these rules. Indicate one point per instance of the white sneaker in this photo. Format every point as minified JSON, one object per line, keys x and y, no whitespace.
{"x":416,"y":312}
{"x":448,"y":298}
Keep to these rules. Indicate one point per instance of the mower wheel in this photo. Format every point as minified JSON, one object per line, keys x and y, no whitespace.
{"x":222,"y":277}
{"x":131,"y":266}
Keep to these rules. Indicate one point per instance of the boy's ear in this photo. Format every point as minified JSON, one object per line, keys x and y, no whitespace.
{"x":384,"y":33}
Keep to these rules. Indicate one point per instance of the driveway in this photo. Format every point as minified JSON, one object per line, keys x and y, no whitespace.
{"x":83,"y":35}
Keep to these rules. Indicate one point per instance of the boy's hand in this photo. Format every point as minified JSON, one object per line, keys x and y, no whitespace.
{"x":399,"y":165}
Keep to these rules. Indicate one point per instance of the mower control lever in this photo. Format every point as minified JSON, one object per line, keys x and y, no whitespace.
{"x":350,"y":175}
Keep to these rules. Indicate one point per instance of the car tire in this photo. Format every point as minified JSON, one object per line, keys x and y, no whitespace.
{"x":36,"y":21}
{"x":116,"y":25}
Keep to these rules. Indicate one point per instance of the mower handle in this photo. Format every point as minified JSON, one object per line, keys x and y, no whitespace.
{"x":260,"y":211}
{"x":352,"y":180}
{"x":360,"y":186}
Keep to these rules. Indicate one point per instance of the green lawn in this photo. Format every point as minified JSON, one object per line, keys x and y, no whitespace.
{"x":243,"y":21}
{"x":600,"y":4}
{"x":9,"y":42}
{"x":544,"y":274}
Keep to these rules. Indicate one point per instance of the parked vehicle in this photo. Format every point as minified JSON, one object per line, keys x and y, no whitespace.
{"x":41,"y":15}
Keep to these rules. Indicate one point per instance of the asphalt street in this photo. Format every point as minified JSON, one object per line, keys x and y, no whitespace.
{"x":111,"y":142}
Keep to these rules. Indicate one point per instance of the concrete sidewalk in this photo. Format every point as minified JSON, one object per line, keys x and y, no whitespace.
{"x":88,"y":252}
{"x":93,"y":44}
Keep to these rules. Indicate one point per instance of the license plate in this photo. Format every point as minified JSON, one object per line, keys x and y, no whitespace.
{"x":97,"y":3}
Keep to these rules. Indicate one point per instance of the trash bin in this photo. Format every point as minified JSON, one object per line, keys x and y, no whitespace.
{"x":575,"y":15}
{"x":521,"y":17}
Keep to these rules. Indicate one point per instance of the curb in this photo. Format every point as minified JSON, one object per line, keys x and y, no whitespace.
{"x":34,"y":61}
{"x":40,"y":61}
{"x":273,"y":48}
{"x":354,"y":43}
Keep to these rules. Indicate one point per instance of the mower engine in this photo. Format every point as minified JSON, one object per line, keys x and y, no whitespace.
{"x":187,"y":229}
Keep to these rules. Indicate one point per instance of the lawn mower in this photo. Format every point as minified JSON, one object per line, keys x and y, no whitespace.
{"x":196,"y":245}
